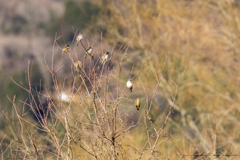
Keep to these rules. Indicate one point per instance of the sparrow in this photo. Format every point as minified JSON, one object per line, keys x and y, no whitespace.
{"x":78,"y":65}
{"x":137,"y":103}
{"x":79,"y":38}
{"x":65,"y":49}
{"x":89,"y":51}
{"x":130,"y":85}
{"x":104,"y":57}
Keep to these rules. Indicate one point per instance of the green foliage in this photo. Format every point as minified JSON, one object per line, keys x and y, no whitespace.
{"x":80,"y":15}
{"x":16,"y":25}
{"x":77,"y":15}
{"x":10,"y":89}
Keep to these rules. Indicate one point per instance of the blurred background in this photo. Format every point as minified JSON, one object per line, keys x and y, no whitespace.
{"x":201,"y":36}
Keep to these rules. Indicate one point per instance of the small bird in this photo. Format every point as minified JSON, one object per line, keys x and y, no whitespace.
{"x":137,"y":103}
{"x":78,"y":65}
{"x":79,"y":38}
{"x":65,"y":49}
{"x":130,"y":85}
{"x":89,"y":51}
{"x":104,"y":57}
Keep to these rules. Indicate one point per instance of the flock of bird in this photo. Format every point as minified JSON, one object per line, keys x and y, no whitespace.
{"x":104,"y":58}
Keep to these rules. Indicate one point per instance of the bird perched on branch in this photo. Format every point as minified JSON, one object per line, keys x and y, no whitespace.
{"x":88,"y":52}
{"x":78,"y":65}
{"x":104,"y":57}
{"x":79,"y":38}
{"x":130,"y":85}
{"x":65,"y":49}
{"x":137,"y":103}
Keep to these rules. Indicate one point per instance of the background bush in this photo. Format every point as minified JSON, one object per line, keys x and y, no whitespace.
{"x":197,"y":38}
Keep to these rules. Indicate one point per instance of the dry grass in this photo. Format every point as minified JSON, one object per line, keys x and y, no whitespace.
{"x":97,"y":117}
{"x":199,"y":35}
{"x":161,"y":43}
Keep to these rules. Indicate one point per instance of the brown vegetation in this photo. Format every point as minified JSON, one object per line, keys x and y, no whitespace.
{"x":183,"y":59}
